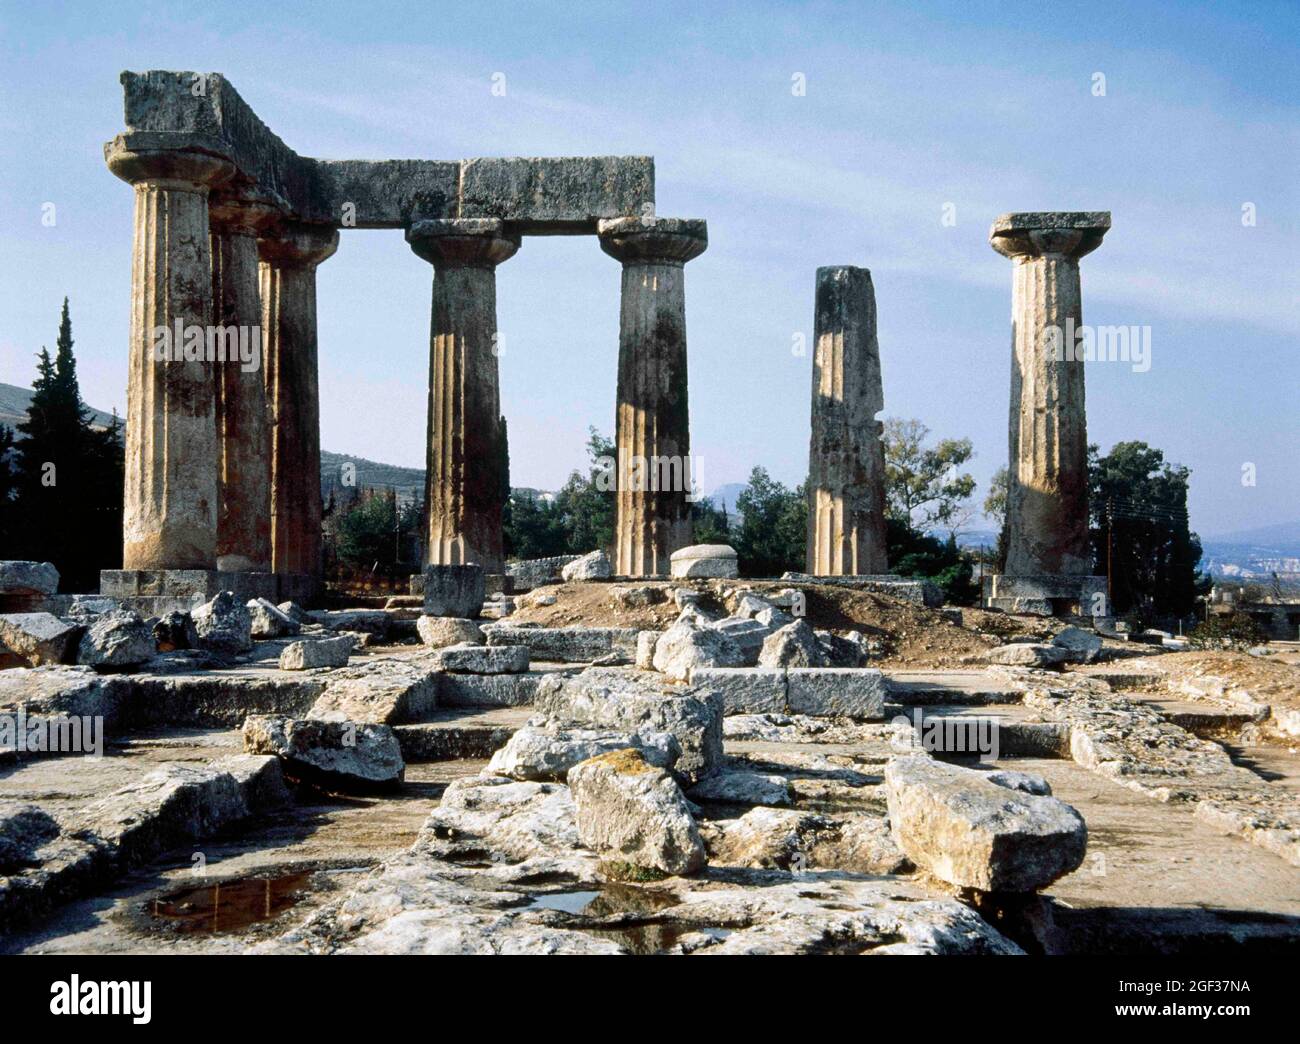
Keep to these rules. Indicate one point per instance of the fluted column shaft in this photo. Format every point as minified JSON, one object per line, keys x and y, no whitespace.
{"x":1047,"y":490}
{"x":170,"y":496}
{"x":242,"y":410}
{"x":652,"y":421}
{"x":288,"y":292}
{"x":846,"y":459}
{"x":466,"y":482}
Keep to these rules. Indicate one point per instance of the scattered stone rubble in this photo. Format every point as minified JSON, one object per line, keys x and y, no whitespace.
{"x":762,"y":804}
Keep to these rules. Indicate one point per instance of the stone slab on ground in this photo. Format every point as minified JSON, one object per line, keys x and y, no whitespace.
{"x":333,"y":754}
{"x":38,"y":638}
{"x":320,"y":652}
{"x":490,"y":690}
{"x":745,"y":690}
{"x":547,"y":752}
{"x":851,"y":692}
{"x":482,"y":659}
{"x":384,"y":691}
{"x":972,"y":833}
{"x":567,"y":644}
{"x":631,"y":812}
{"x":623,"y":699}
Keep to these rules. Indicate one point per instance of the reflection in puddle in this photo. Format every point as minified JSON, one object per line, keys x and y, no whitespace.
{"x":626,"y":906}
{"x":569,"y":902}
{"x":229,"y":906}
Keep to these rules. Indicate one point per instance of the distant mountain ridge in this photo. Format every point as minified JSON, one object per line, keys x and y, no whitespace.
{"x":15,"y":402}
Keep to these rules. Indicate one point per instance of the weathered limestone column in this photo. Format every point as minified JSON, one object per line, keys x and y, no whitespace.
{"x":466,"y":484}
{"x":846,"y":458}
{"x":288,"y":284}
{"x":1047,"y":494}
{"x":243,"y":421}
{"x":170,"y":505}
{"x":652,"y":423}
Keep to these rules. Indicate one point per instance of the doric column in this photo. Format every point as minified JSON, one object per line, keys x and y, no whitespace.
{"x":288,"y":282}
{"x":465,"y":486}
{"x":243,"y":423}
{"x":846,"y":459}
{"x":170,"y":502}
{"x":652,"y":423}
{"x":1047,"y":490}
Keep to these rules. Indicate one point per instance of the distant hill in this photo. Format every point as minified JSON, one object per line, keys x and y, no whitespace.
{"x":15,"y":402}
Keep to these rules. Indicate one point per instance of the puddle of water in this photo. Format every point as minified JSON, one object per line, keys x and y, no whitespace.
{"x":568,"y":902}
{"x":655,"y":937}
{"x":229,"y":906}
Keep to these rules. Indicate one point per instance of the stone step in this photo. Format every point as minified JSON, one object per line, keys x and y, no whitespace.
{"x":450,"y":734}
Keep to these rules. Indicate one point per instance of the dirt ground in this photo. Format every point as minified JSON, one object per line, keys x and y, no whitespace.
{"x":1272,"y":679}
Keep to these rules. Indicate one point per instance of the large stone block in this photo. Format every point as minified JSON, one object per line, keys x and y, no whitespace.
{"x":706,"y":560}
{"x":489,"y":690}
{"x":632,"y":812}
{"x":482,"y":659}
{"x":343,"y":754}
{"x":19,"y":577}
{"x":453,"y":590}
{"x":745,"y":690}
{"x":629,"y":700}
{"x":568,"y":644}
{"x":973,"y":833}
{"x":851,"y":692}
{"x":38,"y":638}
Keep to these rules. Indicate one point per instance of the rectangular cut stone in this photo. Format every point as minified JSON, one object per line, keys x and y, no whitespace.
{"x":854,"y":692}
{"x":918,"y":592}
{"x":568,"y":644}
{"x":482,"y":659}
{"x":489,"y":690}
{"x":556,"y":194}
{"x":384,"y":692}
{"x":548,"y":195}
{"x":745,"y":690}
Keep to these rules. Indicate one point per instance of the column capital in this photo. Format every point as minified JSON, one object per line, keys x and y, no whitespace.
{"x":463,"y":242}
{"x":653,"y":240}
{"x":1062,"y":233}
{"x":244,"y":210}
{"x":295,"y":245}
{"x":183,"y":169}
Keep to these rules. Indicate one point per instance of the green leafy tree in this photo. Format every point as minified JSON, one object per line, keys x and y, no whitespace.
{"x":774,"y":525}
{"x":924,"y":486}
{"x":710,"y":523}
{"x":587,"y":503}
{"x":1138,"y":504}
{"x":995,"y":507}
{"x":375,"y":534}
{"x":69,"y":481}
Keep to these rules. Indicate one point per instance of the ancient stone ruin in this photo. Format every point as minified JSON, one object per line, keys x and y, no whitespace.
{"x":230,"y":227}
{"x":626,"y":751}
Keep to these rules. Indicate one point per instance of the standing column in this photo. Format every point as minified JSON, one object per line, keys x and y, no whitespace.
{"x":169,"y":517}
{"x":465,"y":485}
{"x":1047,"y":489}
{"x":652,"y":423}
{"x":243,"y":425}
{"x":846,"y":459}
{"x":288,"y":283}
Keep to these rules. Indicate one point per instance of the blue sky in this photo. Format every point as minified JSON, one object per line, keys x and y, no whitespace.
{"x":908,"y":107}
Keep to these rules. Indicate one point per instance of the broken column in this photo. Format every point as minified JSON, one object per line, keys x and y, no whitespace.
{"x":1049,"y":562}
{"x":846,"y":458}
{"x":465,"y":484}
{"x":288,"y":283}
{"x":652,"y":424}
{"x":170,"y":502}
{"x":244,"y":463}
